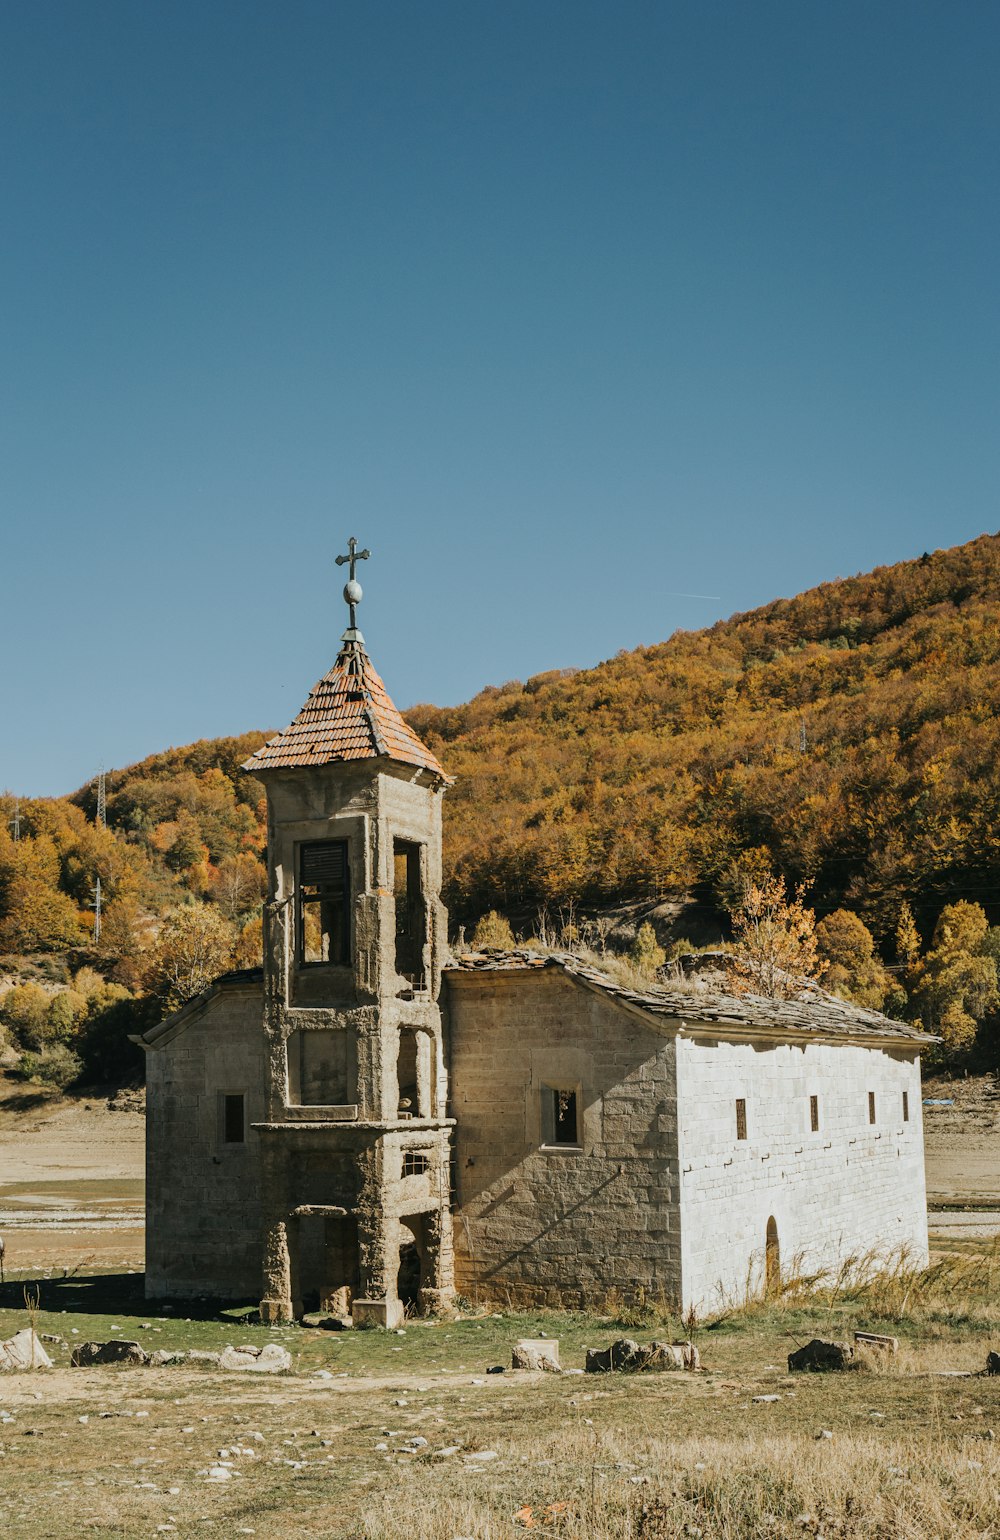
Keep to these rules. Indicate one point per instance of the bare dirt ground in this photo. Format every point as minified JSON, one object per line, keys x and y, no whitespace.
{"x":962,"y":1142}
{"x":72,"y":1180}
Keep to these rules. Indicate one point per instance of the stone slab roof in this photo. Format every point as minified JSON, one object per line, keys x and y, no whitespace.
{"x":348,"y":716}
{"x":817,"y":1014}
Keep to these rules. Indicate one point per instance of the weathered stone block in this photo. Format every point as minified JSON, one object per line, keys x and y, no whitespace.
{"x":821,"y":1357}
{"x":23,"y":1351}
{"x":536,"y":1353}
{"x":90,"y":1353}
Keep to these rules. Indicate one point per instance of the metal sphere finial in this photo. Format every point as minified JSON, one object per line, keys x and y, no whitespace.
{"x":353,"y":592}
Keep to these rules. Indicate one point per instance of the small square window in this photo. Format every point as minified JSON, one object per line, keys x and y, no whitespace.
{"x":906,"y":1106}
{"x":234,"y":1127}
{"x":560,"y":1120}
{"x":871,"y":1106}
{"x":814,"y":1114}
{"x":741,"y":1117}
{"x":415,"y":1164}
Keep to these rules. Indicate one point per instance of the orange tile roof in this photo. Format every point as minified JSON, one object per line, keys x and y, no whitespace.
{"x":348,"y":716}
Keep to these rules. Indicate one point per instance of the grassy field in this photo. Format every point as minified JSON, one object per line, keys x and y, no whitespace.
{"x":126,"y":1452}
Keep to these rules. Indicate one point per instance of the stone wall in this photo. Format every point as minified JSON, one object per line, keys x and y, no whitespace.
{"x":537,"y":1223}
{"x":849,"y":1189}
{"x":203,"y":1219}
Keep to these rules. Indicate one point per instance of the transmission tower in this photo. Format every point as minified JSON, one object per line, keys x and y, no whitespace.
{"x":102,"y":813}
{"x":97,"y":910}
{"x":15,"y":822}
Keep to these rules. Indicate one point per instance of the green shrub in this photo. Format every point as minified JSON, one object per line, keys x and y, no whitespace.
{"x":54,"y":1065}
{"x":493,"y":933}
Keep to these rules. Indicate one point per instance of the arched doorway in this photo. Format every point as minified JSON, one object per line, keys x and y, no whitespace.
{"x":772,"y":1259}
{"x":411,"y":1271}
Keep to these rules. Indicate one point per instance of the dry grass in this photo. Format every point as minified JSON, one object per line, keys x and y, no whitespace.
{"x":722,"y":1489}
{"x":729,"y":1454}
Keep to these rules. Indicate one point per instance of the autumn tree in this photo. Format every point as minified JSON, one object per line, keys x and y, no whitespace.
{"x":195,"y":946}
{"x":35,"y":916}
{"x":852,"y":968}
{"x":238,"y":885}
{"x":775,"y":942}
{"x":957,"y":985}
{"x":645,"y":954}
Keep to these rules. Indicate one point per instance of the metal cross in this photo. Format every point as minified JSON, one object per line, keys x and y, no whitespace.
{"x":352,"y":588}
{"x":355,"y":556}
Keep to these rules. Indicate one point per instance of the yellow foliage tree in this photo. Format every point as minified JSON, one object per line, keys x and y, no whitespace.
{"x":775,"y":942}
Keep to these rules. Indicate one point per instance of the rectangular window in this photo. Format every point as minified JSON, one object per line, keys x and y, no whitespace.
{"x":814,"y":1114}
{"x":906,"y":1106}
{"x":411,"y":914}
{"x":324,"y":903}
{"x":741,"y":1117}
{"x":871,"y":1106}
{"x":414,"y":1164}
{"x":559,"y":1117}
{"x":234,"y":1128}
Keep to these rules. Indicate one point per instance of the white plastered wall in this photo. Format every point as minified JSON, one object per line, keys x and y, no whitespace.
{"x":850,"y":1189}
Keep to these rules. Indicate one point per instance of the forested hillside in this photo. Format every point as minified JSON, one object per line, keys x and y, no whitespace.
{"x":848,"y":739}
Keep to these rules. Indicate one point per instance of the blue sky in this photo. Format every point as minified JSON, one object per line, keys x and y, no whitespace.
{"x":567,"y":310}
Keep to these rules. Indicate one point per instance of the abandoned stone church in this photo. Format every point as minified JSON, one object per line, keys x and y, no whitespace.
{"x":368,"y":1123}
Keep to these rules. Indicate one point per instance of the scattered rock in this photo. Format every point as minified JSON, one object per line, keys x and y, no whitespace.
{"x":628,"y":1357}
{"x":821,"y":1357}
{"x":319,"y":1320}
{"x":23,"y":1351}
{"x":117,"y":1352}
{"x":673,"y":1355}
{"x":824,"y":1433}
{"x":197,"y":1356}
{"x":758,"y":1400}
{"x":536,"y":1353}
{"x":272,"y":1359}
{"x":164,"y":1356}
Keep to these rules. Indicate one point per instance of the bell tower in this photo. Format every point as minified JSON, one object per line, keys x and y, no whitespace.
{"x":356,"y":1144}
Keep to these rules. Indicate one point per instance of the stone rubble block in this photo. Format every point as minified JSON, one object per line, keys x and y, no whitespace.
{"x":819,"y":1357}
{"x":23,"y":1351}
{"x":627,"y":1356}
{"x":536,"y":1353}
{"x":272,"y":1359}
{"x":89,"y":1353}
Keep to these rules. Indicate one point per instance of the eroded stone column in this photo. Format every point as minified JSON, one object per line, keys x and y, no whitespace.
{"x":437,"y":1295}
{"x":277,"y":1303}
{"x":378,"y":1249}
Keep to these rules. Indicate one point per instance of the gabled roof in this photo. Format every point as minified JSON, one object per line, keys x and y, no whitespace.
{"x":818,"y":1014}
{"x":348,"y":716}
{"x":171,"y":1026}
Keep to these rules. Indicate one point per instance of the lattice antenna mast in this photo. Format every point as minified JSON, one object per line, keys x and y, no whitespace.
{"x":102,"y":800}
{"x":97,"y":910}
{"x":15,"y":822}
